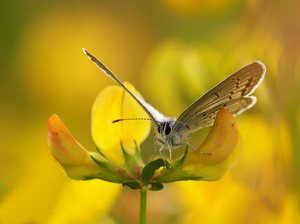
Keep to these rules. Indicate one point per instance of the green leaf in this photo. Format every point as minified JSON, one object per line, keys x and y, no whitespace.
{"x":156,"y":186}
{"x":131,"y":160}
{"x":132,"y":184}
{"x":150,"y":169}
{"x":109,"y":171}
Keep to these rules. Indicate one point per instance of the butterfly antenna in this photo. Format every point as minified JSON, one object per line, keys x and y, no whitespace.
{"x":132,"y":119}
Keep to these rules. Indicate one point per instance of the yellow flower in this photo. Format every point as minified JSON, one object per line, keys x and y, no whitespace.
{"x":118,"y":158}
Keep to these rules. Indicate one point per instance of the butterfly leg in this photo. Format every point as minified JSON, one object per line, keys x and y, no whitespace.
{"x":170,"y":153}
{"x":194,"y":149}
{"x":162,"y":154}
{"x":190,"y":145}
{"x":157,"y":141}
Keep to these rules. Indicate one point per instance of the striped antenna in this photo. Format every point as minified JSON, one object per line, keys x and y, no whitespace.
{"x":132,"y":119}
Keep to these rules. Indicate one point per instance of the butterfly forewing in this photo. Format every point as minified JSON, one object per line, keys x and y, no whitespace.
{"x":155,"y":116}
{"x":232,"y":93}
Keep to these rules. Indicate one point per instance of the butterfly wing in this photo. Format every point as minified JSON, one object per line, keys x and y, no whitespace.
{"x":155,"y":116}
{"x":232,"y":94}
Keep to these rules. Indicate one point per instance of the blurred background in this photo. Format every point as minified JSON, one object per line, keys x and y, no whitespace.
{"x":172,"y":51}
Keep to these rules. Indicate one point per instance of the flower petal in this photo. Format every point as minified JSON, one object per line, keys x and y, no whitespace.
{"x":219,"y":152}
{"x":77,"y":161}
{"x":111,"y":104}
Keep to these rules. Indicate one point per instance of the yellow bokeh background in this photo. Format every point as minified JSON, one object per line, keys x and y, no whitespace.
{"x":172,"y":51}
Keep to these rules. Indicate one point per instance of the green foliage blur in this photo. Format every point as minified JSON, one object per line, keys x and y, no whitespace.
{"x":172,"y":51}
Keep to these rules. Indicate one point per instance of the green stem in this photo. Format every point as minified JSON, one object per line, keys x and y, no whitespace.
{"x":143,"y":205}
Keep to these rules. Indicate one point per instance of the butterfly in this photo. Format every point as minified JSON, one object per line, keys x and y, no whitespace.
{"x":233,"y":94}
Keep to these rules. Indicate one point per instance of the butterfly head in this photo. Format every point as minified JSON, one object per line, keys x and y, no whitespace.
{"x":164,"y":128}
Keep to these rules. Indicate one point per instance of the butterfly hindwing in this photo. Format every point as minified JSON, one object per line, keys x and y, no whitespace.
{"x":232,"y":93}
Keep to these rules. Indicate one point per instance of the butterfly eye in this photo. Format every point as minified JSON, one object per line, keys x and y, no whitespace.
{"x":167,"y":129}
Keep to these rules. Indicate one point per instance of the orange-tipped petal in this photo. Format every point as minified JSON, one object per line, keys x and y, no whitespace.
{"x":111,"y":104}
{"x":218,"y":153}
{"x":220,"y":142}
{"x":68,"y":152}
